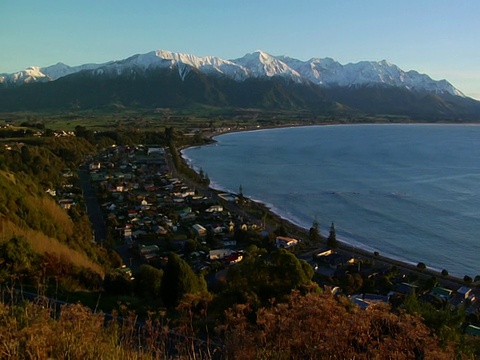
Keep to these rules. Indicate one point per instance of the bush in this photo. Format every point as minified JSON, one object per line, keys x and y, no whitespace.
{"x":444,"y":272}
{"x":467,"y":279}
{"x":421,"y":266}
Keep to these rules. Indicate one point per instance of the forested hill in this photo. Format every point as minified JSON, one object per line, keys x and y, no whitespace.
{"x":40,"y":240}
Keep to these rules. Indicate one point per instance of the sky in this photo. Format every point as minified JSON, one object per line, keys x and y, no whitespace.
{"x":436,"y":37}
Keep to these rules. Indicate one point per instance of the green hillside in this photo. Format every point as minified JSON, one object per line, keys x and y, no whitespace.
{"x":40,"y":240}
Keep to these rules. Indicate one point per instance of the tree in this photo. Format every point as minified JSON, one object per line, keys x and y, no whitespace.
{"x":116,"y":283}
{"x":178,"y":280}
{"x":314,"y":233}
{"x":421,"y":266}
{"x":148,"y":281}
{"x":264,"y":277}
{"x":332,"y":241}
{"x":280,"y":230}
{"x":26,"y":155}
{"x":18,"y":254}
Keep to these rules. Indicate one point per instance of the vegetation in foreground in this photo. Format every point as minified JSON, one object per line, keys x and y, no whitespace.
{"x":311,"y":326}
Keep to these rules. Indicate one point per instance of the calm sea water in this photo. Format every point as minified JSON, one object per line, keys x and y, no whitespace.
{"x":408,"y":191}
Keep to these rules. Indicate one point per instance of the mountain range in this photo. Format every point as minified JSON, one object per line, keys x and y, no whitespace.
{"x":257,"y":80}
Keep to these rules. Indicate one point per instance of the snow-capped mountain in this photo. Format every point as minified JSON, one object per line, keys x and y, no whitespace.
{"x":260,"y":64}
{"x":323,"y":72}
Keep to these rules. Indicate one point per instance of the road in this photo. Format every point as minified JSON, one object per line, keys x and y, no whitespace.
{"x":93,"y":209}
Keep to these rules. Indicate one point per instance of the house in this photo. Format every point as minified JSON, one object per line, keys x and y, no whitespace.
{"x":149,"y":252}
{"x":472,"y":330}
{"x":215,"y":208}
{"x":184,"y":212}
{"x":217,"y":229}
{"x":94,"y":165}
{"x":66,"y":203}
{"x":155,"y":151}
{"x":199,"y":229}
{"x":440,"y":292}
{"x":51,"y":192}
{"x":234,"y":258}
{"x":285,"y":242}
{"x":219,"y":254}
{"x":406,"y":288}
{"x":229,"y":243}
{"x":464,"y":291}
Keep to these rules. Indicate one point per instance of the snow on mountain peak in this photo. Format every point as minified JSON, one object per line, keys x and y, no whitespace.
{"x":259,"y":64}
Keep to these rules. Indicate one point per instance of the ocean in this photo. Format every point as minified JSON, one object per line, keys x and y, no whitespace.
{"x":410,"y":192}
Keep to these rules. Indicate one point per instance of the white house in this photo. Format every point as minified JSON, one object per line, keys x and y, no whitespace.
{"x":215,"y":208}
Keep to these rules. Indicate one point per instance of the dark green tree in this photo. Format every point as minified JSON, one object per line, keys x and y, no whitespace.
{"x":178,"y":280}
{"x":26,"y":155}
{"x":148,"y":281}
{"x":332,"y":241}
{"x":280,"y":230}
{"x":314,"y":233}
{"x":18,"y":255}
{"x":116,"y":283}
{"x":265,"y":276}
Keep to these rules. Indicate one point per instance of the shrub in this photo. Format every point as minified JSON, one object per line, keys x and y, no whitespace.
{"x":421,"y":266}
{"x":444,"y":272}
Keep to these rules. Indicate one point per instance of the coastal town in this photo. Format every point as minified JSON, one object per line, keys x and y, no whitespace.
{"x":148,"y":210}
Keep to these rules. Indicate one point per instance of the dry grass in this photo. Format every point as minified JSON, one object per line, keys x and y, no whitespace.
{"x":55,"y":214}
{"x":37,"y":331}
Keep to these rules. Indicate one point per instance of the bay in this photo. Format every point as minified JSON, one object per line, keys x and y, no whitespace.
{"x":411,"y":192}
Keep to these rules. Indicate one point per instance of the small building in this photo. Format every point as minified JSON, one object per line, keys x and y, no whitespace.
{"x":406,"y":289}
{"x":441,"y":292}
{"x":94,"y":165}
{"x":464,"y":291}
{"x":148,"y":249}
{"x":149,"y":252}
{"x":472,"y":330}
{"x":234,"y":258}
{"x":199,"y":229}
{"x":215,"y":208}
{"x":66,"y":203}
{"x":155,"y":151}
{"x":219,"y":254}
{"x":285,"y":242}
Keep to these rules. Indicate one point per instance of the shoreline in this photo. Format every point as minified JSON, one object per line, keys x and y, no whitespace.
{"x":347,"y":248}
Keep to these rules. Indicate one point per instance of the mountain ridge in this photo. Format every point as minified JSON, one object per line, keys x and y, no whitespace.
{"x":257,"y":80}
{"x":259,"y":64}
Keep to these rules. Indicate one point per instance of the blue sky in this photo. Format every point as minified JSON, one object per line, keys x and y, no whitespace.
{"x":436,"y":37}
